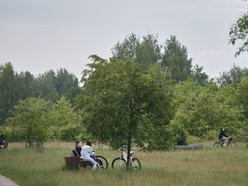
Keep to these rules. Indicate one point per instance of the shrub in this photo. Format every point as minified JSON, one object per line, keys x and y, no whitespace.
{"x":180,"y":135}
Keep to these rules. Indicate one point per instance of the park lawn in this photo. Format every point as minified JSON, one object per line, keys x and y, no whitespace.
{"x":200,"y":167}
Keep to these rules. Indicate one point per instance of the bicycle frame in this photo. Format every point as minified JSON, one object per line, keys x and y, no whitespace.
{"x":229,"y":143}
{"x":124,"y":155}
{"x":229,"y":140}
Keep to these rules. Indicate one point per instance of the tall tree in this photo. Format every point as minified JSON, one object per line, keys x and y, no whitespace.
{"x":175,"y":60}
{"x":47,"y":86}
{"x":26,"y":85}
{"x":8,"y":96}
{"x":127,"y":48}
{"x":54,"y":85}
{"x":124,"y":97}
{"x":146,"y":51}
{"x":65,"y":82}
{"x":233,"y":76}
{"x":198,"y":75}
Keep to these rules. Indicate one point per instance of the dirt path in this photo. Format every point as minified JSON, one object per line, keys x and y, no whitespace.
{"x":4,"y":181}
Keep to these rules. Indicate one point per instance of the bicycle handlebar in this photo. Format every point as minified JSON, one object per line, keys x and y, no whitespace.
{"x":122,"y":148}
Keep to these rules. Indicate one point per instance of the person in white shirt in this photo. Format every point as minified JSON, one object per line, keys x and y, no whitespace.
{"x":86,"y":153}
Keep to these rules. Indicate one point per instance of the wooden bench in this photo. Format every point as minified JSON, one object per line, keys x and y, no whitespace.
{"x":74,"y":162}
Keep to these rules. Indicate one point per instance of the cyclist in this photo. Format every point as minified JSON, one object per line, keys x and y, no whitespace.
{"x":223,"y":137}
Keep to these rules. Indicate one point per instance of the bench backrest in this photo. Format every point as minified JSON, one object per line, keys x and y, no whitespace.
{"x":75,"y":153}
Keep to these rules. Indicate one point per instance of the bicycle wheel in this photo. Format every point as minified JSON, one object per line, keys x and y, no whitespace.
{"x":217,"y":145}
{"x":2,"y":148}
{"x":119,"y":163}
{"x":103,"y":161}
{"x":231,"y":144}
{"x":136,"y":165}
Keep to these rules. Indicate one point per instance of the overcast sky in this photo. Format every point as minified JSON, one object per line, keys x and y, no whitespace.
{"x":39,"y":35}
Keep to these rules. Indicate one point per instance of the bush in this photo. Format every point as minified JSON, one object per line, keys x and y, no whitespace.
{"x":193,"y":139}
{"x":180,"y":135}
{"x":211,"y":135}
{"x":69,"y":133}
{"x":12,"y":134}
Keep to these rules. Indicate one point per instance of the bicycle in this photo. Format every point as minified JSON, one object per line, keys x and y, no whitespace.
{"x":33,"y":142}
{"x":3,"y":143}
{"x":102,"y":161}
{"x":121,"y":162}
{"x":220,"y":143}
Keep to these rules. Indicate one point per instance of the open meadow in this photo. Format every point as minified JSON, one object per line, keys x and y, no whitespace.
{"x":224,"y":166}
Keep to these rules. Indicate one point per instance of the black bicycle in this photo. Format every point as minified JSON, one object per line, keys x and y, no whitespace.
{"x":3,"y":143}
{"x":230,"y":143}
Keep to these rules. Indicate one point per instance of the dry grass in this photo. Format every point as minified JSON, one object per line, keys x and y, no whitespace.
{"x":202,"y":167}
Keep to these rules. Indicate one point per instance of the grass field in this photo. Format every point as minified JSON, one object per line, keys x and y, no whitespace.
{"x":200,"y":167}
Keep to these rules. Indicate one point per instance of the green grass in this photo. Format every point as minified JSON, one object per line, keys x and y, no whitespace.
{"x":201,"y":167}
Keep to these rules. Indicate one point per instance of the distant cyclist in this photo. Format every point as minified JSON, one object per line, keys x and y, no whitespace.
{"x":223,"y":137}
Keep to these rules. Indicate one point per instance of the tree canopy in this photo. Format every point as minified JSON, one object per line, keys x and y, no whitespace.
{"x":124,"y":101}
{"x":239,"y":34}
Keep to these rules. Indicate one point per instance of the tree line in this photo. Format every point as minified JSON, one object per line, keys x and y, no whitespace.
{"x":146,"y":93}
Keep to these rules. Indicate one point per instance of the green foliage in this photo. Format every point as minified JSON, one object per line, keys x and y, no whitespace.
{"x":233,"y":76}
{"x":37,"y":117}
{"x":148,"y":51}
{"x":239,"y":33}
{"x":193,"y":139}
{"x":128,"y":98}
{"x":7,"y":90}
{"x":63,"y":120}
{"x":12,"y":133}
{"x":54,"y":85}
{"x":199,"y":76}
{"x":179,"y":134}
{"x":49,"y":86}
{"x":30,"y":118}
{"x":175,"y":60}
{"x":127,"y":48}
{"x":203,"y":109}
{"x":242,"y":94}
{"x":160,"y":139}
{"x":69,"y":133}
{"x":123,"y":100}
{"x":26,"y":85}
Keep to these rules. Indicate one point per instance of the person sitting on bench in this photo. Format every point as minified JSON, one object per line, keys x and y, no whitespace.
{"x":86,"y":153}
{"x":78,"y":147}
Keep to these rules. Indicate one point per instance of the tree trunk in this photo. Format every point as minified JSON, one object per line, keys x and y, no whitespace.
{"x":129,"y":139}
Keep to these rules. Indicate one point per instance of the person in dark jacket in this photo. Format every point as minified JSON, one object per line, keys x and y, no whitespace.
{"x":223,"y":137}
{"x":78,"y":147}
